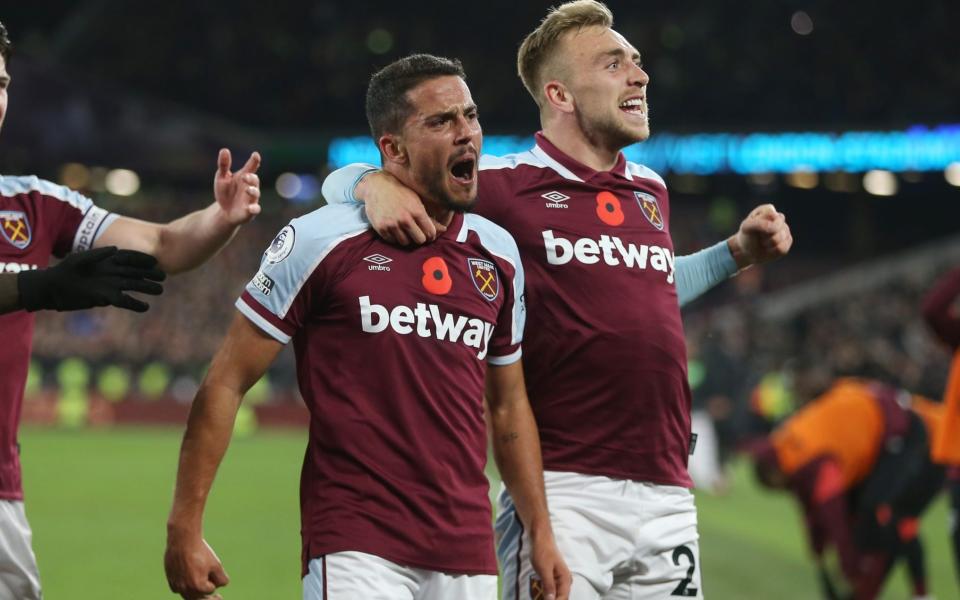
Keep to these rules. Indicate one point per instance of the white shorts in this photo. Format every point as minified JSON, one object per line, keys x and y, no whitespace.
{"x":19,"y":577}
{"x":344,"y":575}
{"x":622,"y":539}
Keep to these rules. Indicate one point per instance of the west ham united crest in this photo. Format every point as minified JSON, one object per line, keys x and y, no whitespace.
{"x":16,"y":228}
{"x":484,"y":276}
{"x":536,"y":589}
{"x":651,"y":210}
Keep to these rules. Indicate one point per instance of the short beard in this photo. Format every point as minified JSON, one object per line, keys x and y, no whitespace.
{"x":608,"y":133}
{"x":438,"y":194}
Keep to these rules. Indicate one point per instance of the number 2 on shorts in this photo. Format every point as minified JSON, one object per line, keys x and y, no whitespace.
{"x":682,"y":589}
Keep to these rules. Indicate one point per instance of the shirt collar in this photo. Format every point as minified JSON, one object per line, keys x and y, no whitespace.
{"x":577,"y":168}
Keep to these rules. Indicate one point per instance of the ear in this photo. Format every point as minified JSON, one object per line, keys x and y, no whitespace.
{"x":392,"y":148}
{"x":558,"y":96}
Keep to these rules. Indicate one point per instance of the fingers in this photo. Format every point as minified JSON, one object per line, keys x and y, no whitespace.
{"x":549,"y":586}
{"x":129,"y":303}
{"x":764,"y":222}
{"x":223,"y":163}
{"x":141,"y":286}
{"x":134,"y":258}
{"x":399,"y":237}
{"x":218,"y":576}
{"x":564,"y":582}
{"x":252,"y":164}
{"x":426,"y":226}
{"x":763,"y":210}
{"x":114,"y":271}
{"x":96,"y":255}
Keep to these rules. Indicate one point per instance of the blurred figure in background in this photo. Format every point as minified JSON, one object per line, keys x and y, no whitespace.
{"x":858,"y":460}
{"x":40,"y":219}
{"x":939,"y":310}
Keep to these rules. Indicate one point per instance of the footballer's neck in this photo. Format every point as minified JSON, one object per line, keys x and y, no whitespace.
{"x":564,"y":132}
{"x":436,"y":209}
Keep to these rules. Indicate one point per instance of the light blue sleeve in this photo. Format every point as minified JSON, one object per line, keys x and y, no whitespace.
{"x":289,"y":262}
{"x":700,"y":271}
{"x":338,"y":186}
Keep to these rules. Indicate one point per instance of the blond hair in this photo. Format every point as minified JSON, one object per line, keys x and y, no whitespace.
{"x":539,"y":47}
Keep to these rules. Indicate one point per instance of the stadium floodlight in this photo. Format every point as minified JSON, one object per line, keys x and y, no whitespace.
{"x":880,"y":183}
{"x":288,"y":185}
{"x":952,"y":174}
{"x":122,"y":182}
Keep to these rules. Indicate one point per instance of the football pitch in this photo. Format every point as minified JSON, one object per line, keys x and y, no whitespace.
{"x":98,"y":501}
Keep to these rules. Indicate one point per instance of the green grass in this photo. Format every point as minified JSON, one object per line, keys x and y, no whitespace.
{"x":98,"y":501}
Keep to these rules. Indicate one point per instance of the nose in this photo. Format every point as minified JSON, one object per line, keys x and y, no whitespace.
{"x":638,"y":76}
{"x":466,"y":128}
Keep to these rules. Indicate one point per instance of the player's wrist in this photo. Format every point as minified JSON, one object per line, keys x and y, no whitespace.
{"x":541,"y":531}
{"x":35,"y":289}
{"x":184,"y":528}
{"x":362,"y":186}
{"x":741,"y":257}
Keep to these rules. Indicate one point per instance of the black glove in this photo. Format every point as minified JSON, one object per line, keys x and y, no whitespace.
{"x":93,"y":278}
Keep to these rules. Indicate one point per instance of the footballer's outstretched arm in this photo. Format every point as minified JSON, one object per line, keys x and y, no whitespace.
{"x":516,"y":449}
{"x":193,"y":570}
{"x":189,"y":241}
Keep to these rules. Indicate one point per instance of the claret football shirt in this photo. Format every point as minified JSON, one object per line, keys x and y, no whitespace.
{"x":605,"y":357}
{"x":37,"y":219}
{"x":391,"y":346}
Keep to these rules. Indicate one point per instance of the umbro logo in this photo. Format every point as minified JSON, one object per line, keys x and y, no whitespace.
{"x":555,"y":199}
{"x":379,"y":262}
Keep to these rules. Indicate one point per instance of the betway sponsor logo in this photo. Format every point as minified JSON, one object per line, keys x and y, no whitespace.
{"x":611,"y":250}
{"x":426,"y":320}
{"x":10,"y":267}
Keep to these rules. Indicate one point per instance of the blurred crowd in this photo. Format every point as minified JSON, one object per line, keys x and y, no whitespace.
{"x":748,"y":372}
{"x":745,"y":364}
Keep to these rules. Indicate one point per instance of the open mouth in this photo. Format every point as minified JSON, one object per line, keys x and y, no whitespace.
{"x":634,"y":106}
{"x":464,"y":170}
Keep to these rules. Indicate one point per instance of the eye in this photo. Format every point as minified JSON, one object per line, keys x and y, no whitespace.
{"x":614,"y":65}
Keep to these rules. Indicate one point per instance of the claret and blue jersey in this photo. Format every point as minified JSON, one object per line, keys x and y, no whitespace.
{"x":37,"y":218}
{"x":392,"y":346}
{"x":605,"y":359}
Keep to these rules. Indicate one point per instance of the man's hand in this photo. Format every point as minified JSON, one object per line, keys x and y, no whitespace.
{"x":395,"y":211}
{"x":763,"y":236}
{"x":237,"y":194}
{"x":193,"y":570}
{"x":551,"y":568}
{"x":94,"y":278}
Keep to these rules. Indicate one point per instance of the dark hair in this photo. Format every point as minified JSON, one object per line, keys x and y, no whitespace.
{"x":5,"y":45}
{"x":387,"y":103}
